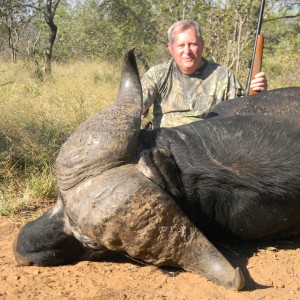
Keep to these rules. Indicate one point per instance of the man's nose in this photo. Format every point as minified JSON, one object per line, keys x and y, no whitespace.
{"x":187,"y":49}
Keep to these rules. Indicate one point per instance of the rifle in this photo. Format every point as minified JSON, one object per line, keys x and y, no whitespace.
{"x":256,"y":61}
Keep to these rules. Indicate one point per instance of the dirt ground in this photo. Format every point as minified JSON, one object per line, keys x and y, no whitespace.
{"x":272,"y":271}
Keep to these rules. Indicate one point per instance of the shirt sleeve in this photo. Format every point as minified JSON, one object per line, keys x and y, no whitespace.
{"x":233,"y":86}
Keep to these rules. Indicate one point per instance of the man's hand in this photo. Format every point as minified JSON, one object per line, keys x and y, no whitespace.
{"x":259,"y":83}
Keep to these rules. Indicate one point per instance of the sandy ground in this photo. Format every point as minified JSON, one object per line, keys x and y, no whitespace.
{"x":271,"y":272}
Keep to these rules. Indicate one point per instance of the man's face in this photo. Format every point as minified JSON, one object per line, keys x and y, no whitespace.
{"x":186,"y":50}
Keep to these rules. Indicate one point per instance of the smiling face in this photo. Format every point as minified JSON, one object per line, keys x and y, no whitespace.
{"x":186,"y":49}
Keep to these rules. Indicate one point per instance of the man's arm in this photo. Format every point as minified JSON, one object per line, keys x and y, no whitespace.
{"x":150,"y":91}
{"x":235,"y":88}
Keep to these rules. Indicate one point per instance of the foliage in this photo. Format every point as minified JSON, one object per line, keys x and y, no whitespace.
{"x":89,"y":29}
{"x":282,"y":51}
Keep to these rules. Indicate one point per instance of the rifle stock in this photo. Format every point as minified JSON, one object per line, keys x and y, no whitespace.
{"x":257,"y":63}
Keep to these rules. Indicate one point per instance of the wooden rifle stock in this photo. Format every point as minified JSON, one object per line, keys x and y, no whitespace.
{"x":257,"y":63}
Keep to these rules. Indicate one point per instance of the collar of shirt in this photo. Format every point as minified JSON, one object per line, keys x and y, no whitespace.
{"x":196,"y":74}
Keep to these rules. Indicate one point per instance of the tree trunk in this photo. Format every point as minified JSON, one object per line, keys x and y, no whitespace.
{"x":49,"y":48}
{"x":49,"y":14}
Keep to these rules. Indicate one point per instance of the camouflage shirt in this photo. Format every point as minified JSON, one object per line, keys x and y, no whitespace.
{"x":180,"y":99}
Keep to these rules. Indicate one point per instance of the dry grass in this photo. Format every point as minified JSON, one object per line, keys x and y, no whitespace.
{"x":36,"y":117}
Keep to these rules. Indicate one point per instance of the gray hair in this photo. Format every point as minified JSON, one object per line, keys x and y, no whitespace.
{"x":182,"y":26}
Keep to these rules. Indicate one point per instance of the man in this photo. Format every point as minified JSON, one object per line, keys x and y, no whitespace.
{"x":183,"y":89}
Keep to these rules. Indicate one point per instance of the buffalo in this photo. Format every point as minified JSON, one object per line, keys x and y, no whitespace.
{"x":161,"y":195}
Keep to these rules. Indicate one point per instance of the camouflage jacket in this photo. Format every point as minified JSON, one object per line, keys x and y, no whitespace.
{"x":180,"y":99}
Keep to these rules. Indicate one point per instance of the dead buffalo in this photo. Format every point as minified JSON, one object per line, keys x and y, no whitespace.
{"x":280,"y":102}
{"x":158,"y":195}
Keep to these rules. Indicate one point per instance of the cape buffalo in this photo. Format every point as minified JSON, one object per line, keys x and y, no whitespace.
{"x":158,"y":195}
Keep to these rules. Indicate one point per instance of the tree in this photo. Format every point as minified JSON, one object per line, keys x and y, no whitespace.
{"x":48,"y":9}
{"x":14,"y":17}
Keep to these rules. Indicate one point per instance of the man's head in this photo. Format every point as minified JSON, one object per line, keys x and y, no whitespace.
{"x":186,"y":46}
